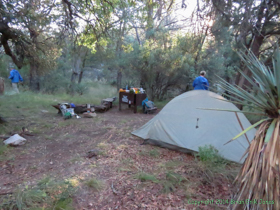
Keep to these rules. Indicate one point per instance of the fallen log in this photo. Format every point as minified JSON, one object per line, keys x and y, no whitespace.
{"x":105,"y":105}
{"x":79,"y":109}
{"x":102,"y":108}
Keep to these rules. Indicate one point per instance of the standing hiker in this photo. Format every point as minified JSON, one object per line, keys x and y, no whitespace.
{"x":201,"y":83}
{"x":15,"y":78}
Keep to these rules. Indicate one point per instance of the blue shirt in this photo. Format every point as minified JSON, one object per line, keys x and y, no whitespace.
{"x":200,"y":83}
{"x":15,"y":76}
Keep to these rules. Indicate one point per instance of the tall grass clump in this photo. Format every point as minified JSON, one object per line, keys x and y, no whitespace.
{"x":95,"y":184}
{"x":210,"y":155}
{"x":259,"y":177}
{"x":47,"y":194}
{"x":143,"y":177}
{"x":211,"y":160}
{"x":3,"y":148}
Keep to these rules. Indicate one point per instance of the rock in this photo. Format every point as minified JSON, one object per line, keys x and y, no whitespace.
{"x":15,"y":140}
{"x":93,"y":153}
{"x":89,"y":115}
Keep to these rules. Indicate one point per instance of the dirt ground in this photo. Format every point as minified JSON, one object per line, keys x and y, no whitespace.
{"x":58,"y":149}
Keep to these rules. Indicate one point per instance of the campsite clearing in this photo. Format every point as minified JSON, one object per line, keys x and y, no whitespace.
{"x":123,"y":175}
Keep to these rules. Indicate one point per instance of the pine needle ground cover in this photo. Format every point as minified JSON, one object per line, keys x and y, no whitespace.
{"x":124,"y":174}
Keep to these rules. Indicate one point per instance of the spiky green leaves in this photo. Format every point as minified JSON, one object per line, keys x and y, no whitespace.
{"x":264,"y":93}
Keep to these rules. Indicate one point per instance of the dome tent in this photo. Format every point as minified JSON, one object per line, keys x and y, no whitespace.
{"x":182,"y":125}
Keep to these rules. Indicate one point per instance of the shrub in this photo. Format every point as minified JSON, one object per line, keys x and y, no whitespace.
{"x":53,"y":82}
{"x":210,"y":155}
{"x":80,"y":88}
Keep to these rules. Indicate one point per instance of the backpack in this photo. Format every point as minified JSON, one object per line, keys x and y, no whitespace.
{"x":148,"y":106}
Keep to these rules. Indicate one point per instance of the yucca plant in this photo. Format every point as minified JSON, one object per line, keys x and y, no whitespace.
{"x":259,"y":177}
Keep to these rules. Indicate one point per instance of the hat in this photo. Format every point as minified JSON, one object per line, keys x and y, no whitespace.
{"x":203,"y":73}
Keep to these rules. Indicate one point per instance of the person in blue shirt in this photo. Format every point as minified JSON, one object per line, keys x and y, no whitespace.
{"x":201,"y":83}
{"x":15,"y":78}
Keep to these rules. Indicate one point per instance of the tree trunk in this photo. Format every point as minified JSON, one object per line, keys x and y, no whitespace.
{"x":257,"y":39}
{"x":2,"y":87}
{"x":152,"y":93}
{"x":200,"y":48}
{"x":240,"y":80}
{"x":119,"y":50}
{"x":34,"y":82}
{"x":137,"y":34}
{"x":83,"y":66}
{"x":119,"y":79}
{"x":80,"y":76}
{"x":73,"y":76}
{"x":150,"y":21}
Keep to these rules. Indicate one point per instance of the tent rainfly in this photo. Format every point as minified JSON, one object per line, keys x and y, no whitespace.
{"x":182,"y":125}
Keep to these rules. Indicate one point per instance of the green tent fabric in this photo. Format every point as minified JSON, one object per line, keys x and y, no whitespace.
{"x":181,"y":124}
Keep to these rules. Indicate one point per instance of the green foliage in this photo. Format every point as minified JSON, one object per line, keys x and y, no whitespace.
{"x":4,"y":66}
{"x":174,"y":177}
{"x":251,"y":117}
{"x":172,"y":181}
{"x":64,"y":204}
{"x":89,"y":40}
{"x":95,"y":184}
{"x":80,"y":88}
{"x":173,"y":164}
{"x":166,"y":65}
{"x":154,"y":153}
{"x":167,"y":187}
{"x":47,"y":194}
{"x":264,"y":99}
{"x":209,"y":155}
{"x":53,"y":83}
{"x":3,"y":148}
{"x":30,"y":198}
{"x":265,"y":22}
{"x":26,"y":103}
{"x":143,"y":177}
{"x":160,"y":104}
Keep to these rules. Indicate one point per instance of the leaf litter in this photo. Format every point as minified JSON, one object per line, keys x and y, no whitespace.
{"x":134,"y":176}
